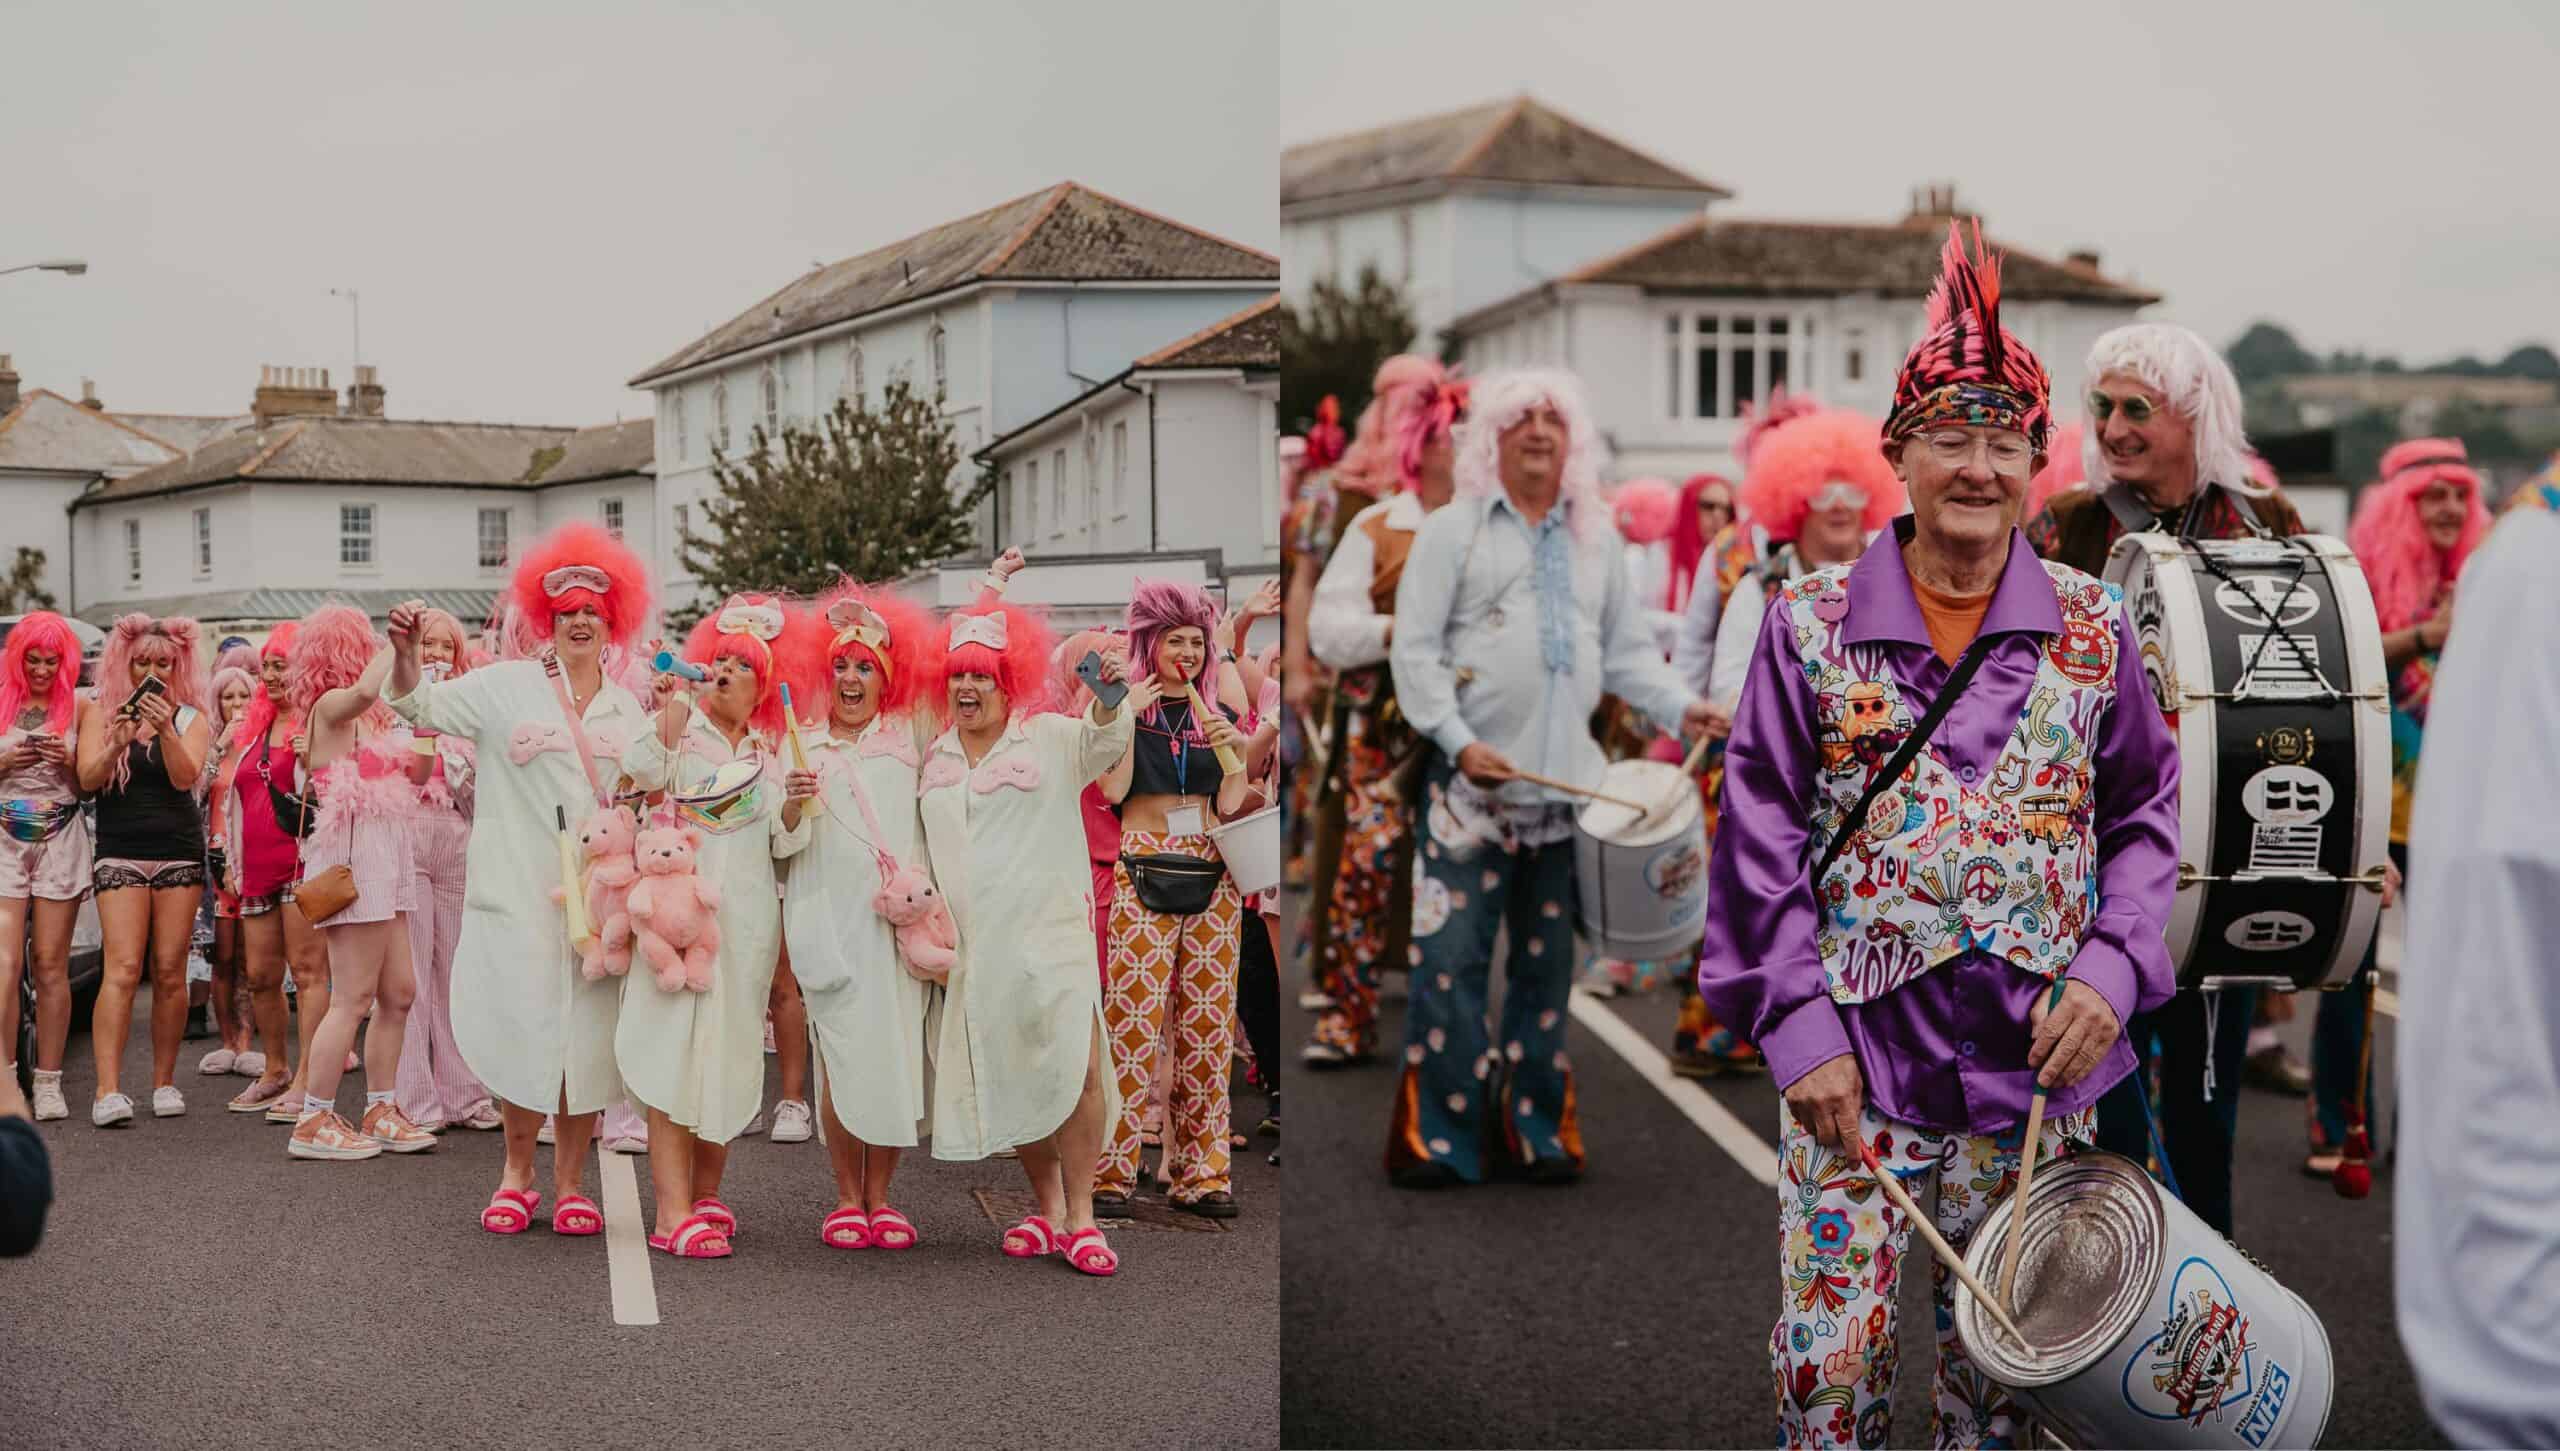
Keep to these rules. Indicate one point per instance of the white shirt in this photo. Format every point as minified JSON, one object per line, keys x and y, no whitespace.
{"x":2477,"y":1206}
{"x":1739,"y":634}
{"x":1342,"y":629}
{"x":1693,"y":644}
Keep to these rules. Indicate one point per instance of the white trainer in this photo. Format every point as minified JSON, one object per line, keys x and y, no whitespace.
{"x":111,"y":1110}
{"x":548,"y":1134}
{"x":167,"y":1102}
{"x":47,"y":1099}
{"x":791,"y":1122}
{"x":754,"y":1125}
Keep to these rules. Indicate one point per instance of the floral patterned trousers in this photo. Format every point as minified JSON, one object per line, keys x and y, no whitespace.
{"x":1372,"y":900}
{"x":1841,"y":1248}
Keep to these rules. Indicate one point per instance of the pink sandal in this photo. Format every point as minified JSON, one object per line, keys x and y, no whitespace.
{"x":698,"y":1238}
{"x":1032,"y":1239}
{"x":510,"y":1211}
{"x":890,"y":1229}
{"x":719,"y":1214}
{"x":576,"y":1214}
{"x":846,"y":1229}
{"x":1088,"y":1251}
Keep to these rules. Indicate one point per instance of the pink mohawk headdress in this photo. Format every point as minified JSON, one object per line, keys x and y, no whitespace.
{"x":1802,"y":461}
{"x":41,"y":630}
{"x":1968,"y":370}
{"x":2404,"y":567}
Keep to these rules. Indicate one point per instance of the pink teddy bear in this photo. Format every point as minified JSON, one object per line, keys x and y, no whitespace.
{"x":608,"y":838}
{"x":927,"y":937}
{"x":672,"y":909}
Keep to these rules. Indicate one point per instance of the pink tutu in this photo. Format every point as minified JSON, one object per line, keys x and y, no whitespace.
{"x":368,"y":812}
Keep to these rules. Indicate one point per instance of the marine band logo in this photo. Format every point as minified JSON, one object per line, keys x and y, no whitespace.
{"x":2201,"y":1364}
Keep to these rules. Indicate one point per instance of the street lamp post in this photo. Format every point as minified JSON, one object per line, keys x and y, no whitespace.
{"x":68,"y":266}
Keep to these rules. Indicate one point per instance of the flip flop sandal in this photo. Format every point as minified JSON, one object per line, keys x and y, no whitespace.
{"x":1088,"y":1251}
{"x":576,"y":1215}
{"x":1032,"y":1239}
{"x":719,"y":1214}
{"x":846,"y":1229}
{"x":510,"y":1211}
{"x":695,"y":1239}
{"x":891,"y":1230}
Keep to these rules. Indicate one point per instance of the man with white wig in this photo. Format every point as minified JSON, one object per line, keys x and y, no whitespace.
{"x":1513,"y":616}
{"x":2164,"y":450}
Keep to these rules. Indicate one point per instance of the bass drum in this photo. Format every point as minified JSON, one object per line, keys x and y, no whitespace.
{"x":2266,"y":657}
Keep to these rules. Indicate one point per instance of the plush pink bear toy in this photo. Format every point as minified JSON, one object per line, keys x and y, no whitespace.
{"x":607,"y":838}
{"x":673,"y":909}
{"x":927,"y":937}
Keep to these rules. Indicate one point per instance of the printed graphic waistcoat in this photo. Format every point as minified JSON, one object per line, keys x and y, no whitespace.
{"x":2008,"y":866}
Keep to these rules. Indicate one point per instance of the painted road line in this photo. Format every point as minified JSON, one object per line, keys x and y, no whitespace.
{"x":1748,"y":1149}
{"x":626,"y":1244}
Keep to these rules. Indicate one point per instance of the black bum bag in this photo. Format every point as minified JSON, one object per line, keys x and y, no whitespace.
{"x":1174,"y":885}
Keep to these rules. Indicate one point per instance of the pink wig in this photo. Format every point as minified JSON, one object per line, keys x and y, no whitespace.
{"x":2263,"y":474}
{"x":2063,"y":471}
{"x":260,"y":717}
{"x":1021,"y":672}
{"x":335,"y":644}
{"x":1757,"y":421}
{"x":2405,"y":569}
{"x":133,"y":633}
{"x":242,"y":657}
{"x":224,"y":679}
{"x":1433,"y":418}
{"x":433,"y":622}
{"x":1324,"y":436}
{"x":709,"y":642}
{"x":1646,"y":510}
{"x":810,"y":651}
{"x":624,"y":603}
{"x":1068,"y":693}
{"x":41,"y":630}
{"x":1374,"y":464}
{"x":1689,"y":539}
{"x":1157,"y":607}
{"x":1795,"y":461}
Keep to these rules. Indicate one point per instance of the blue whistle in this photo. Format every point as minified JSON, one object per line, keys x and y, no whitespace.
{"x":670,"y":663}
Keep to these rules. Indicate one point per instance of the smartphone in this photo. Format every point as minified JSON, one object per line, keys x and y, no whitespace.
{"x":150,"y":686}
{"x":1109,"y":692}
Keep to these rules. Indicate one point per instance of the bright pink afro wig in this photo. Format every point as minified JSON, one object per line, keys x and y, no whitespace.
{"x":2062,"y":473}
{"x":624,"y":604}
{"x":763,"y":658}
{"x":2404,"y":566}
{"x":51,"y":633}
{"x":1646,"y":510}
{"x":811,"y":647}
{"x":1374,"y":464}
{"x":1757,"y":421}
{"x":1795,"y":461}
{"x":334,"y":646}
{"x":1158,"y":607}
{"x":1021,"y":671}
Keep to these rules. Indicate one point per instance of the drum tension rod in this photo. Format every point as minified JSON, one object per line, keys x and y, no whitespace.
{"x":2371,"y":879}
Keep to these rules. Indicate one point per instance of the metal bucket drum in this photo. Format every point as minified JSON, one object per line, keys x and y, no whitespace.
{"x":2266,"y":657}
{"x":2146,"y":1328}
{"x":1641,"y":880}
{"x":1250,"y":846}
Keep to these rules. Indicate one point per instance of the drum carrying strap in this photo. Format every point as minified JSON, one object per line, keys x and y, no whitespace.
{"x":2135,"y":519}
{"x":1911,"y":745}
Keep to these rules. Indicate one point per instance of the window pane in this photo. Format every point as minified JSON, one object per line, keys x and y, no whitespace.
{"x":1708,"y":323}
{"x":1777,"y":327}
{"x":1745,"y":376}
{"x":1777,"y":368}
{"x":1744,"y":327}
{"x":1671,"y":365}
{"x":1709,"y":360}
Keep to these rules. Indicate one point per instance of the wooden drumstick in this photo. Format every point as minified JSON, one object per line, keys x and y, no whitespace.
{"x":1937,"y":1242}
{"x":2026,"y":1176}
{"x":1572,"y":790}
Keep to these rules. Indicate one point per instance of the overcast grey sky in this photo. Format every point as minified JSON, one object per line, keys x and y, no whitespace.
{"x":2374,"y":175}
{"x":537,"y":201}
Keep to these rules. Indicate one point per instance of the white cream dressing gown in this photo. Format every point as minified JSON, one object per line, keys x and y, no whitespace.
{"x":870,"y":1019}
{"x":1023,"y":1010}
{"x":696,"y":1057}
{"x":529,"y":1025}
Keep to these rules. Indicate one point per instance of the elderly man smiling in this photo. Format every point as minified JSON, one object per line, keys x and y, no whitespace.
{"x":1947,"y":788}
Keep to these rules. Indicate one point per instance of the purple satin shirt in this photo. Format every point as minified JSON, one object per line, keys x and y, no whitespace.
{"x":1947,"y":1051}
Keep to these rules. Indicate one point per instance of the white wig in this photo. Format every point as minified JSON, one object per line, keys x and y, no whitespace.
{"x":2186,"y":370}
{"x":1500,"y":400}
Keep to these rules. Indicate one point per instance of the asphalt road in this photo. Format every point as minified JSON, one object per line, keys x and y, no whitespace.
{"x":198,"y":1287}
{"x":1634,"y":1308}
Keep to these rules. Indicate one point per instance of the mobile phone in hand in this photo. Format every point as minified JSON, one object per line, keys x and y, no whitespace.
{"x":1109,"y":692}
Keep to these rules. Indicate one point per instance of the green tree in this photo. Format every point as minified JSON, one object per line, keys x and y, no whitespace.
{"x":20,"y":589}
{"x":866,"y":493}
{"x":2533,"y":360}
{"x":2268,"y":351}
{"x":1336,"y":345}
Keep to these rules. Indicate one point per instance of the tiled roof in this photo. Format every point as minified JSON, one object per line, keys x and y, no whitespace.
{"x":1250,"y":339}
{"x":1732,"y":257}
{"x":49,"y":432}
{"x":471,"y":606}
{"x":1065,"y":232}
{"x":1518,"y":140}
{"x":608,"y":450}
{"x":326,"y":449}
{"x":186,"y":431}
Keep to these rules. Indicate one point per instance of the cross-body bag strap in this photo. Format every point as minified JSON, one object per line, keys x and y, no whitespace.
{"x":559,"y":677}
{"x":1912,"y":745}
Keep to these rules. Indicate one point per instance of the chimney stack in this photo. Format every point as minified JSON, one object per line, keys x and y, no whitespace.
{"x":8,"y":385}
{"x":291,"y":392}
{"x":1934,"y":204}
{"x":89,"y":396}
{"x":364,"y":400}
{"x":2083,"y":260}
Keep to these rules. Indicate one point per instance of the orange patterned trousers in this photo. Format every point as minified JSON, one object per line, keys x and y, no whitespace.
{"x":1172,"y":989}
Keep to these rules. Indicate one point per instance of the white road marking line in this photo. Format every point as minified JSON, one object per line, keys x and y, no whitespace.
{"x":1748,"y":1149}
{"x":626,"y":1245}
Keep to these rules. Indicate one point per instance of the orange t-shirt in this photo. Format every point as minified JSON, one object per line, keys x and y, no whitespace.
{"x":1953,"y":620}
